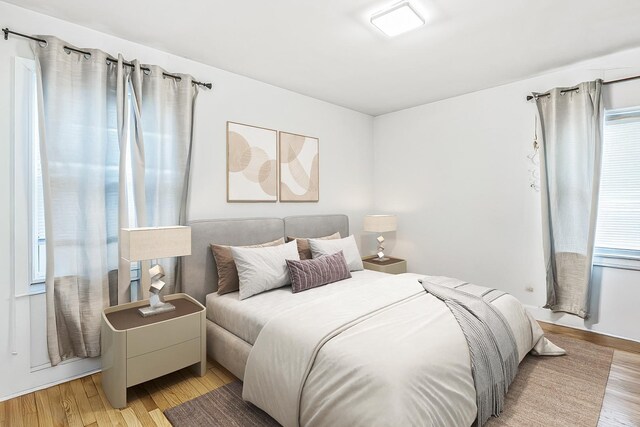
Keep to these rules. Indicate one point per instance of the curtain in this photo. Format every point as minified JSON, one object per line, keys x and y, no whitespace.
{"x":102,"y":123}
{"x":164,"y":133}
{"x":571,"y":122}
{"x":79,"y":156}
{"x":123,"y":83}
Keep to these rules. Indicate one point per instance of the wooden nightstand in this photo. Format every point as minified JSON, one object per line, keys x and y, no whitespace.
{"x":392,"y":265}
{"x":136,"y":349}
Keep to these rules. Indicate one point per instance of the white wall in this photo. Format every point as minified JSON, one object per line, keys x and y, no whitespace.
{"x":345,"y":166}
{"x":456,"y":173}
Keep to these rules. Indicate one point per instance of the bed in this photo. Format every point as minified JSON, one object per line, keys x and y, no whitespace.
{"x":199,"y":276}
{"x":374,"y":349}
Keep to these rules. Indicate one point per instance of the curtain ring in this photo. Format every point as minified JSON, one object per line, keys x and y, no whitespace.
{"x":43,"y":43}
{"x":147,"y":71}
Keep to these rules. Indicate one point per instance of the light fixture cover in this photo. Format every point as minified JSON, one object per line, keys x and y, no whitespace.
{"x":398,"y":19}
{"x":139,"y":244}
{"x":380,"y":223}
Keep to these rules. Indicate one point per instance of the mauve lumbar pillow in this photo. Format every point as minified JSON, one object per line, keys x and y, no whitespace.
{"x":227,"y":272}
{"x":311,"y":273}
{"x":303,"y":244}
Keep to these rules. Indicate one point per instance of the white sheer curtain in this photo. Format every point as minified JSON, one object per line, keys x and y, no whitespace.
{"x":164,"y":131}
{"x":80,"y":156}
{"x":156,"y":114}
{"x":101,"y":121}
{"x":571,"y":157}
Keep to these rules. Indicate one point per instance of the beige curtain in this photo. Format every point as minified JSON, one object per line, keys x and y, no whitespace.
{"x":123,"y":82}
{"x":156,"y":114}
{"x":80,"y":157}
{"x":101,"y":122}
{"x":571,"y":120}
{"x":164,"y":133}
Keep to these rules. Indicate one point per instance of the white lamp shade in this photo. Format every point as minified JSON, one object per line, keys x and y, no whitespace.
{"x":380,"y":223}
{"x":139,"y":244}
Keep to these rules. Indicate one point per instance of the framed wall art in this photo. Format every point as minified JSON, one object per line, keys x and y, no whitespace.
{"x":252,"y":174}
{"x":299,"y":170}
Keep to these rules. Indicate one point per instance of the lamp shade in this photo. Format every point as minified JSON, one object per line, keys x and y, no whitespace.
{"x":139,"y":244}
{"x":380,"y":223}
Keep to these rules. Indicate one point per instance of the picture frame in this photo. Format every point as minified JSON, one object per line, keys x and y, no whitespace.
{"x":299,"y":167}
{"x":252,"y":159}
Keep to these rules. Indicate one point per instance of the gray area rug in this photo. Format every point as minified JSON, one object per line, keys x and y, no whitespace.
{"x":548,"y":391}
{"x":221,"y":407}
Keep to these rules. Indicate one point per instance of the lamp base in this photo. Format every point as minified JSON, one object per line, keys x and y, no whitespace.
{"x":380,"y":259}
{"x":158,"y":309}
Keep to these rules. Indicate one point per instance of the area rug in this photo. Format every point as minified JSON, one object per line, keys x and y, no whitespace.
{"x":548,"y":391}
{"x":221,"y":407}
{"x":558,"y":391}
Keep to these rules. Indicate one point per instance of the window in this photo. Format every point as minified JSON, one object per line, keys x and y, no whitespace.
{"x":38,"y":254}
{"x":29,"y":211}
{"x":27,"y":201}
{"x":618,"y":229}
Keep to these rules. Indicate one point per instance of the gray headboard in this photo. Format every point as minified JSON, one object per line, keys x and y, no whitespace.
{"x":199,"y":275}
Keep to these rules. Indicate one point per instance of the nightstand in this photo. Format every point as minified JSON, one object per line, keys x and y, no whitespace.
{"x":392,"y":265}
{"x":136,"y":349}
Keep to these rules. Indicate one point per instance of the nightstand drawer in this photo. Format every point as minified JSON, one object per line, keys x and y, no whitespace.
{"x":162,"y":334}
{"x":157,"y":363}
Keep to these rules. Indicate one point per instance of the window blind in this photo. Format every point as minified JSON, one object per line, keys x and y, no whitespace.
{"x":618,"y":224}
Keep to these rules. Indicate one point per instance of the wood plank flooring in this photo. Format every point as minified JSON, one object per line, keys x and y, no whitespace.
{"x":82,"y":402}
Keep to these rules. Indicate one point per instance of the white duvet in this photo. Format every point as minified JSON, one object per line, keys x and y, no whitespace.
{"x":381,"y":354}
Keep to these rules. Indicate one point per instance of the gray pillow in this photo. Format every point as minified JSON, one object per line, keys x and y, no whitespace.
{"x":262,"y":269}
{"x":311,"y":273}
{"x":347,"y":246}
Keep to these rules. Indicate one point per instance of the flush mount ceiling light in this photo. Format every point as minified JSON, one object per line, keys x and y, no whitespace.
{"x":398,"y":19}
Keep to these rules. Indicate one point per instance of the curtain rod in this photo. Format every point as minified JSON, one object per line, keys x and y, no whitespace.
{"x":7,"y":31}
{"x":624,"y":79}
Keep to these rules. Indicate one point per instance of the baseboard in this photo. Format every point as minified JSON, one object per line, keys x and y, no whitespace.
{"x":51,"y":384}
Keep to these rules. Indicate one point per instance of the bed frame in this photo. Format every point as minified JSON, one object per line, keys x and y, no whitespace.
{"x":199,"y":275}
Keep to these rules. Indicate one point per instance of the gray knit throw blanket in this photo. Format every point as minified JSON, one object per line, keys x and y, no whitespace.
{"x":492,"y":346}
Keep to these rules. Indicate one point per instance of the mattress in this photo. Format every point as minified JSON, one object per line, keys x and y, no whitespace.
{"x":246,"y":318}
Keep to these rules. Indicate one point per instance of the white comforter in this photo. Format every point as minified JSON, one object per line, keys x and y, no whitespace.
{"x":384,"y":354}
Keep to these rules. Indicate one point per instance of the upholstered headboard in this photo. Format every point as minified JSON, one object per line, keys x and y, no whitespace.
{"x":199,"y":275}
{"x":316,"y":225}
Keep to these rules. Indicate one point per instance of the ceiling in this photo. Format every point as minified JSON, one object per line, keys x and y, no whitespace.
{"x":328,"y":50}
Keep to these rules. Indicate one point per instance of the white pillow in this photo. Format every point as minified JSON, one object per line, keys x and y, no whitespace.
{"x":261,"y":269}
{"x":329,"y":247}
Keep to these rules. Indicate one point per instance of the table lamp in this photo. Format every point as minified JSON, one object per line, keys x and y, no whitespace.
{"x":380,"y":224}
{"x":152,"y":243}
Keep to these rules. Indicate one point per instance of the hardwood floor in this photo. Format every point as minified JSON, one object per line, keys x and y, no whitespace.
{"x":82,"y":402}
{"x":621,"y":405}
